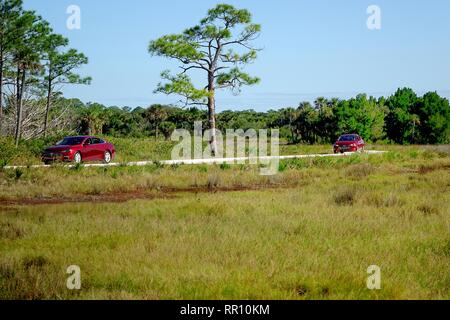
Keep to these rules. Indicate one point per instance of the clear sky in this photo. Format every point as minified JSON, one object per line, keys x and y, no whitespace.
{"x":311,"y":48}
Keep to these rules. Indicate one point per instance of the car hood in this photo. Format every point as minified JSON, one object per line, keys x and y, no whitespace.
{"x":345,"y":143}
{"x":58,"y":148}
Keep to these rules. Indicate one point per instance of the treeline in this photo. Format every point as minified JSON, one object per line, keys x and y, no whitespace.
{"x":402,"y":118}
{"x":35,"y":63}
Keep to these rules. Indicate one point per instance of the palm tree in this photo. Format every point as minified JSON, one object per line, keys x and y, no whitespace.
{"x":306,"y":122}
{"x":415,"y":121}
{"x":155,"y":115}
{"x":320,"y":103}
{"x":93,"y":118}
{"x":289,"y":115}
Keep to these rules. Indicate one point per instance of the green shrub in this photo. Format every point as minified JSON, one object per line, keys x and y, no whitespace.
{"x":8,"y":151}
{"x":77,"y":167}
{"x":283,"y":166}
{"x":225,"y":166}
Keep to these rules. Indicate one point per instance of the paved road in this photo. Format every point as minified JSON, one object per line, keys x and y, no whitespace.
{"x":200,"y":161}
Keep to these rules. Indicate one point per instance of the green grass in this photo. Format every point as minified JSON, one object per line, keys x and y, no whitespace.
{"x":311,"y":235}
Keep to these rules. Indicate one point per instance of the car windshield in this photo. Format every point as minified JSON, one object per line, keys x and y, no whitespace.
{"x":347,"y":138}
{"x":73,"y":141}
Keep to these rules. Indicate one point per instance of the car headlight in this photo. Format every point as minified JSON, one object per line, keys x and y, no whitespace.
{"x":67,"y":151}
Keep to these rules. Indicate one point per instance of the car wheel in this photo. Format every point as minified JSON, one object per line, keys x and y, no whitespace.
{"x":77,"y":158}
{"x":107,"y":157}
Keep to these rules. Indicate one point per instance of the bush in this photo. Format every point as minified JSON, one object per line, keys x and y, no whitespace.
{"x":77,"y":167}
{"x":283,"y":166}
{"x":225,"y":166}
{"x":8,"y":151}
{"x":26,"y":153}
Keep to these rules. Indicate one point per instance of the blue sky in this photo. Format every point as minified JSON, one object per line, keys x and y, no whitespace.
{"x":311,"y":48}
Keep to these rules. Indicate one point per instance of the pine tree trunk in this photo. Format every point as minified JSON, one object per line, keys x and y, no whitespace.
{"x":212,"y":113}
{"x":20,"y":89}
{"x":47,"y":111}
{"x":1,"y":91}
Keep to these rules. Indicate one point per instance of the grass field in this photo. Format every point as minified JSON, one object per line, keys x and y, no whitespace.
{"x":225,"y":232}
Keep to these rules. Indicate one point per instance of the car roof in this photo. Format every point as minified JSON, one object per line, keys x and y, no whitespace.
{"x":83,"y":137}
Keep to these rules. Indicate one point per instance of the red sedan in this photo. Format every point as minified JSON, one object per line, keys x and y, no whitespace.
{"x":349,"y":143}
{"x":80,"y":149}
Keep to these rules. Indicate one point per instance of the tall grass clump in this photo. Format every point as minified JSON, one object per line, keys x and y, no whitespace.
{"x":359,"y":170}
{"x":345,"y":196}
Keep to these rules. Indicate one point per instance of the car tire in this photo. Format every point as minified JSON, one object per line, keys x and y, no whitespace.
{"x":107,"y":157}
{"x":77,"y":158}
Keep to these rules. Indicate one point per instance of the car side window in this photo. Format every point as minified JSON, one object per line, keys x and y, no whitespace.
{"x":88,"y":142}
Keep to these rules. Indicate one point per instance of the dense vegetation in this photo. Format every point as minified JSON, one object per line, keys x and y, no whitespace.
{"x":402,"y":118}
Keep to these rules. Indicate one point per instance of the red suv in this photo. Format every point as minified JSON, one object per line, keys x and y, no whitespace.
{"x":349,"y":143}
{"x":80,"y":149}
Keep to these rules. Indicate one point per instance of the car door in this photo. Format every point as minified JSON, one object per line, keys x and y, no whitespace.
{"x":360,"y":143}
{"x":87,"y":152}
{"x":98,"y":149}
